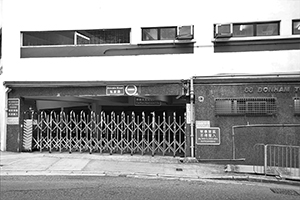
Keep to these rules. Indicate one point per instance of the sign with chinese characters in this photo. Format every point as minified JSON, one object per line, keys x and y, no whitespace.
{"x":208,"y":136}
{"x":139,"y":101}
{"x":13,"y":111}
{"x":115,"y":90}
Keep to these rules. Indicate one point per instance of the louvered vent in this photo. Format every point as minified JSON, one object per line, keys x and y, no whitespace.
{"x":246,"y":106}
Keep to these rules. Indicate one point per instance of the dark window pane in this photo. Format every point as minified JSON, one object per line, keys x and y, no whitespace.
{"x":82,"y":38}
{"x":150,"y":34}
{"x":110,"y":36}
{"x":225,"y":29}
{"x":267,"y":29}
{"x":48,"y":38}
{"x":296,"y":27}
{"x":243,"y":30}
{"x":167,"y":33}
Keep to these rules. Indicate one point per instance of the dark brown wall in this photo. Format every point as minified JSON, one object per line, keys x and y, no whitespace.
{"x":143,"y":89}
{"x":246,"y":138}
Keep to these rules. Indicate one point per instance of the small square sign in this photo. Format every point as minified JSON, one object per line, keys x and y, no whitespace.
{"x":208,"y":136}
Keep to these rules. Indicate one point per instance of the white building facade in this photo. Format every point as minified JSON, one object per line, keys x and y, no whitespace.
{"x":216,"y":40}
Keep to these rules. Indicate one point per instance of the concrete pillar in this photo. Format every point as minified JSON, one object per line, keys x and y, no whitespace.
{"x":96,"y":108}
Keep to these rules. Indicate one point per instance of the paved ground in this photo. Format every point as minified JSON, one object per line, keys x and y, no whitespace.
{"x":37,"y":163}
{"x":122,"y":188}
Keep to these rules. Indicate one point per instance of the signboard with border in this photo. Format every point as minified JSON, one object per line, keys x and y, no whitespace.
{"x":208,"y":136}
{"x":13,"y":111}
{"x":115,"y":90}
{"x":139,"y":101}
{"x":188,"y":113}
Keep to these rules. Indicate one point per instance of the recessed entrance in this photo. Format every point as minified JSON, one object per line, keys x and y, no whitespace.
{"x":125,"y":124}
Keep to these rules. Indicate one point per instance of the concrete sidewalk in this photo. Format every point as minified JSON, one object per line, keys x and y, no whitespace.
{"x":37,"y":163}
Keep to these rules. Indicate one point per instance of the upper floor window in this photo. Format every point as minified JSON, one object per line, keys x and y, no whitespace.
{"x":159,"y":33}
{"x":296,"y":26}
{"x":247,"y":29}
{"x":76,"y":37}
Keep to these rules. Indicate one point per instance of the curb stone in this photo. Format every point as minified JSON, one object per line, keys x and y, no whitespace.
{"x":257,"y":179}
{"x":188,"y":169}
{"x":147,"y":176}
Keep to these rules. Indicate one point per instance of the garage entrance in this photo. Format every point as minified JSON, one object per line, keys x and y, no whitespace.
{"x":155,"y":127}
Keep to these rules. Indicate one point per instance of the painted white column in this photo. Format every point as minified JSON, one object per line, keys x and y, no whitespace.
{"x":3,"y":116}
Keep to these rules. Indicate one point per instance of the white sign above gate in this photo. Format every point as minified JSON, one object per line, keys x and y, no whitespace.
{"x":114,"y":90}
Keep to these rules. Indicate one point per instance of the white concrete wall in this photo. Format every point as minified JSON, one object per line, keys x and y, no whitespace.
{"x":1,"y":93}
{"x":37,"y":15}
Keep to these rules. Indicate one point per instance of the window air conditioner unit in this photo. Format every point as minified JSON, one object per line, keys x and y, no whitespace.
{"x":223,"y":30}
{"x":185,"y":32}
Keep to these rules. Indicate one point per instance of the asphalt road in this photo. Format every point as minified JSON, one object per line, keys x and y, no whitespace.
{"x":88,"y":187}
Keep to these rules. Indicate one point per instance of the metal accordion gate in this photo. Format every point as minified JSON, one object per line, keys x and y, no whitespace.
{"x":135,"y":133}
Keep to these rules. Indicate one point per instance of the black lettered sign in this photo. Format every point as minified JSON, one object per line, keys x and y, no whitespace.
{"x":13,"y":111}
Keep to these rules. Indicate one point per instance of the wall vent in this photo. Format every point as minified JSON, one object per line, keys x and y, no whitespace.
{"x":246,"y":106}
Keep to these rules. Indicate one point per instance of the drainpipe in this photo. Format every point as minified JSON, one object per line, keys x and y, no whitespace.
{"x":192,"y":117}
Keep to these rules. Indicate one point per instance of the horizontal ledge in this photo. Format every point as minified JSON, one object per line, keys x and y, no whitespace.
{"x":86,"y":83}
{"x":255,"y":38}
{"x":223,"y":160}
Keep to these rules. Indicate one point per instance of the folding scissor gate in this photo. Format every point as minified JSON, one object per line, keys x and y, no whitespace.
{"x":134,"y":133}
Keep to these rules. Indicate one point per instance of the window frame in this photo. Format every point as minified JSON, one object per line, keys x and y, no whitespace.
{"x":254,"y":32}
{"x":248,"y":106}
{"x":293,"y":21}
{"x":255,"y":24}
{"x":159,"y":33}
{"x":240,"y":24}
{"x":74,"y":37}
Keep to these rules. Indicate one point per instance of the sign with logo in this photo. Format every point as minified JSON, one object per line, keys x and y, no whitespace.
{"x":114,"y":90}
{"x":131,"y":90}
{"x":208,"y":136}
{"x":13,"y":111}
